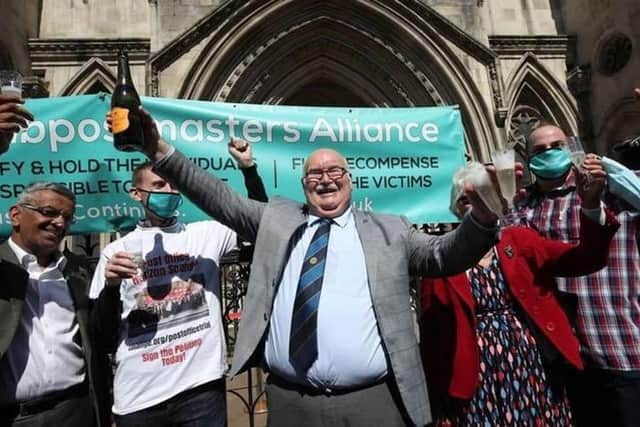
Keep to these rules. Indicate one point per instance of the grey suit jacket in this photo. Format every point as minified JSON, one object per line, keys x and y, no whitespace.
{"x":13,"y":287}
{"x":393,"y":251}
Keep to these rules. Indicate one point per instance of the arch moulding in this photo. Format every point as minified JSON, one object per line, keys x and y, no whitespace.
{"x":387,"y":53}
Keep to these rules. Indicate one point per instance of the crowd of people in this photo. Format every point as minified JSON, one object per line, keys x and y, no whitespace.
{"x":536,"y":324}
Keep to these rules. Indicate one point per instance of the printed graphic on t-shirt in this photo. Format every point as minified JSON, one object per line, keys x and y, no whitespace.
{"x":168,"y":295}
{"x":166,"y":305}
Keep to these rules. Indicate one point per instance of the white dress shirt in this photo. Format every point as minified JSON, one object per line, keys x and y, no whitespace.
{"x":45,"y":354}
{"x":350,"y":350}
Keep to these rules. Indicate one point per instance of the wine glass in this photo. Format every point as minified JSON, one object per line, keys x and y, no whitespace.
{"x":504,"y":161}
{"x":476,"y":174}
{"x":11,"y":83}
{"x":133,"y":247}
{"x":577,"y":154}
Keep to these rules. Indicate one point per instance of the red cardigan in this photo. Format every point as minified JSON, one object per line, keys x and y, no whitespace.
{"x":529,"y":263}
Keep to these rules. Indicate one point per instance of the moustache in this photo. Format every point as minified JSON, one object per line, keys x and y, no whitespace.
{"x":325,"y":188}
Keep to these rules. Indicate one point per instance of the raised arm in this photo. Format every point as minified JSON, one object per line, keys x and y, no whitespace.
{"x":242,"y":153}
{"x":451,"y":253}
{"x":555,"y":258}
{"x":212,"y":195}
{"x":597,"y":228}
{"x":208,"y":192}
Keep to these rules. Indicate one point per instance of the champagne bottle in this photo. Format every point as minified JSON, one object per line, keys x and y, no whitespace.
{"x":125,"y":121}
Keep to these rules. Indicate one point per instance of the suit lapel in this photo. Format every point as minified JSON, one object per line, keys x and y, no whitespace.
{"x":369,"y":246}
{"x":506,"y":254}
{"x":13,"y":288}
{"x":282,"y":251}
{"x":77,"y":279}
{"x":461,"y":286}
{"x":6,"y":253}
{"x":14,"y":276}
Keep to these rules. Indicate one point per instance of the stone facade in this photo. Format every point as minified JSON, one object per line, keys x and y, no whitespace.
{"x":506,"y":63}
{"x":608,"y":53}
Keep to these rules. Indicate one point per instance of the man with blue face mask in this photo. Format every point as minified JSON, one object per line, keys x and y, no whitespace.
{"x":604,"y":304}
{"x":158,"y":307}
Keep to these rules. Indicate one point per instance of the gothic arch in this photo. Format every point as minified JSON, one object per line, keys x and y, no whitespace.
{"x":94,"y":74}
{"x":389,"y":54}
{"x":533,"y":93}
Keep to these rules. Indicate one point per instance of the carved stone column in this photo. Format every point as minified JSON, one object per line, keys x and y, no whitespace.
{"x":35,"y":87}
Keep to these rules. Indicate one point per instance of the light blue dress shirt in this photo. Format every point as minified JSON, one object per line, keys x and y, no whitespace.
{"x":350,"y":350}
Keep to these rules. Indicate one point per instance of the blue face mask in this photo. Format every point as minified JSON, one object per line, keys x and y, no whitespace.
{"x":622,"y":182}
{"x":163,"y":204}
{"x":553,"y":163}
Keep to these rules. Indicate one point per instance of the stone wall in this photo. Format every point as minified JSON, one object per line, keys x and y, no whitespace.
{"x":614,"y":114}
{"x":177,"y":25}
{"x":95,"y":19}
{"x":19,"y":21}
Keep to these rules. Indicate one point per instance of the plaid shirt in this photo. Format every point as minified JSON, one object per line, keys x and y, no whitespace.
{"x":608,"y":312}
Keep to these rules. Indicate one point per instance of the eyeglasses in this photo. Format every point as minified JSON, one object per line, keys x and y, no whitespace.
{"x":334,"y":173}
{"x":50,"y":212}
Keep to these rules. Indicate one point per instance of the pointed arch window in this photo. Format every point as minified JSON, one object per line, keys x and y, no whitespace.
{"x":94,"y":76}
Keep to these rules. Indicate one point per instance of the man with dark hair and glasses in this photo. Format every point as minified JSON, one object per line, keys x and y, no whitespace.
{"x":48,"y":372}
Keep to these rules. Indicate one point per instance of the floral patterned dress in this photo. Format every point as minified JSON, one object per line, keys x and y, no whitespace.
{"x":513,"y":389}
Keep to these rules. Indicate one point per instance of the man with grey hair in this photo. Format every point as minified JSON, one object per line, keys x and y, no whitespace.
{"x":48,"y":373}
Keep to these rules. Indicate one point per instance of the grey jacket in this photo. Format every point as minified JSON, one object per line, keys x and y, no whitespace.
{"x":393,"y":251}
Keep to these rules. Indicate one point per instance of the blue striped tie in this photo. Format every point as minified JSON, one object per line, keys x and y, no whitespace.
{"x":303,"y":342}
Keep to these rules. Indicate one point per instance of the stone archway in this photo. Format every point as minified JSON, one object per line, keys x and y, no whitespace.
{"x":534,"y":94}
{"x":383,"y":54}
{"x":323,"y":92}
{"x":94,"y":76}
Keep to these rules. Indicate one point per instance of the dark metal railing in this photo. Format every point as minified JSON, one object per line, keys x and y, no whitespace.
{"x":234,"y":279}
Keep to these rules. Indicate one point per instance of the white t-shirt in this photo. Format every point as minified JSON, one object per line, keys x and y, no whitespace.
{"x":171,"y":333}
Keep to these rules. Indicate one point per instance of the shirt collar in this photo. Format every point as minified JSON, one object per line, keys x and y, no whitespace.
{"x":341,"y":220}
{"x":26,"y":258}
{"x":145,"y":223}
{"x":170,"y":227}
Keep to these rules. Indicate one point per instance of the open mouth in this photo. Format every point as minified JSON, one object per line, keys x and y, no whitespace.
{"x":326,"y":190}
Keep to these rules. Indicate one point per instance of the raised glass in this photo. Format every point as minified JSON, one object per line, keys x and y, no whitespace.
{"x":134,"y":248}
{"x":11,"y":83}
{"x":505,"y":163}
{"x":477,"y":175}
{"x":576,"y":151}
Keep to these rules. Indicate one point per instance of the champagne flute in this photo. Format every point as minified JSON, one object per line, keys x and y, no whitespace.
{"x":505,"y":163}
{"x":133,"y":247}
{"x":476,"y":174}
{"x":577,"y":154}
{"x":11,"y":83}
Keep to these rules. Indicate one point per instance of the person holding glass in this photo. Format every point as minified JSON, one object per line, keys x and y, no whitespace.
{"x":13,"y":115}
{"x":603,"y":305}
{"x":160,"y":281}
{"x":492,"y":335}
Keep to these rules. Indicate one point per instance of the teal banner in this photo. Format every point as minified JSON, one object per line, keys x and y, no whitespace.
{"x":401,"y":159}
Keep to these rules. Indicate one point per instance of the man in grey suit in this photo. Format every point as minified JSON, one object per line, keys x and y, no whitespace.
{"x":327,"y":309}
